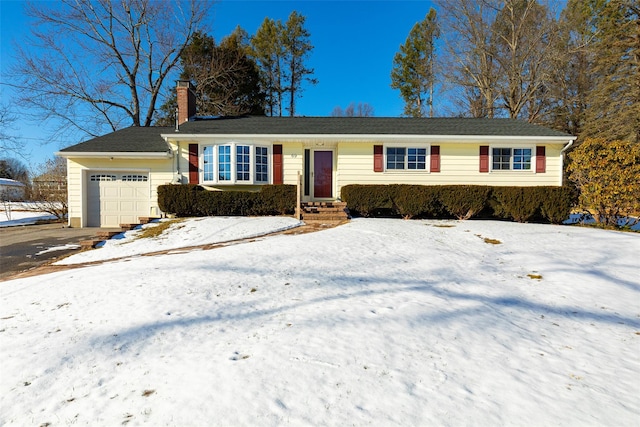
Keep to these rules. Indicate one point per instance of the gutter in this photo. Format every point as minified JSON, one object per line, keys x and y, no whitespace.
{"x":571,"y":141}
{"x":115,"y":155}
{"x":360,"y":137}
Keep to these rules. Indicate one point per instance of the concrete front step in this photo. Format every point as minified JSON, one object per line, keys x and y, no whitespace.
{"x":324,"y":212}
{"x":127,"y":227}
{"x":90,"y":243}
{"x":147,"y":219}
{"x":331,"y":218}
{"x":316,"y":210}
{"x":101,"y":236}
{"x":106,"y":235}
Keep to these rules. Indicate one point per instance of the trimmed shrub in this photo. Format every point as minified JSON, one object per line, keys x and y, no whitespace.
{"x":193,"y":200}
{"x":465,"y":201}
{"x":557,"y":203}
{"x":180,"y":200}
{"x":524,"y":204}
{"x":365,"y":200}
{"x":410,"y":201}
{"x":277,"y":200}
{"x":521,"y":204}
{"x":226,"y":203}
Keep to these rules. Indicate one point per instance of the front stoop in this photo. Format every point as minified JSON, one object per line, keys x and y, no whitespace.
{"x":324,"y":212}
{"x":101,"y":236}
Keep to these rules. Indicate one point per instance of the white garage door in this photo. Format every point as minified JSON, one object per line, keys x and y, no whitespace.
{"x":116,"y":198}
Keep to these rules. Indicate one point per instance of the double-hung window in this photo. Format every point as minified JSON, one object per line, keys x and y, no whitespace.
{"x":235,"y":164}
{"x":262,"y":164}
{"x":243,"y":163}
{"x":406,"y":158}
{"x":511,"y":158}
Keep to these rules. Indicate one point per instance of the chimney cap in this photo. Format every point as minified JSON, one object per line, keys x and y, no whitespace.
{"x":185,"y":83}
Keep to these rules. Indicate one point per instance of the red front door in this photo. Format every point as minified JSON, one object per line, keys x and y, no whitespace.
{"x":322,"y":174}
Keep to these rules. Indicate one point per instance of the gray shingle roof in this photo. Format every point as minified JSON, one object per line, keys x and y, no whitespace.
{"x":134,"y":139}
{"x":366,"y":126}
{"x":148,"y":139}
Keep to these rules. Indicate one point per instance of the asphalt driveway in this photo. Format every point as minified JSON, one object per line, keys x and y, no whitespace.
{"x":21,"y":246}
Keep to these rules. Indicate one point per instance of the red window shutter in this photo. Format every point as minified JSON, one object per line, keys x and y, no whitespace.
{"x":435,"y":158}
{"x":484,"y":158}
{"x":378,"y":159}
{"x":541,"y":159}
{"x":193,"y":164}
{"x":278,"y":173}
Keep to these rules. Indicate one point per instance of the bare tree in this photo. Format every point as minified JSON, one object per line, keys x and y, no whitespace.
{"x":49,"y":190}
{"x":9,"y":143}
{"x":354,"y":110}
{"x":97,"y":63}
{"x":470,"y":63}
{"x":498,"y":55}
{"x":523,"y":32}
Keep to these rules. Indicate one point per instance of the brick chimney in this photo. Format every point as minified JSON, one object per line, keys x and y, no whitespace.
{"x":186,"y":101}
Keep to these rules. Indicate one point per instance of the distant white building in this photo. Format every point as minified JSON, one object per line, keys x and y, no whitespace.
{"x":11,"y":189}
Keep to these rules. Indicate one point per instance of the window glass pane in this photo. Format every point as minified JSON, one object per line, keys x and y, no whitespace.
{"x":208,"y":163}
{"x":262,"y":167}
{"x":501,"y":158}
{"x":224,"y":163}
{"x":522,"y":159}
{"x":416,"y":158}
{"x":395,"y":157}
{"x":242,"y":163}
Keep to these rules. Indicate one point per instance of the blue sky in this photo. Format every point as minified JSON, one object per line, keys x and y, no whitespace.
{"x":354,"y":41}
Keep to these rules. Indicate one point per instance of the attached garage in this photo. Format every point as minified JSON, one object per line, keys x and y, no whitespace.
{"x":115,"y":198}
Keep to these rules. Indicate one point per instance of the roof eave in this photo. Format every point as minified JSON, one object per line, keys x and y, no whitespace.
{"x":115,"y":155}
{"x":369,"y":137}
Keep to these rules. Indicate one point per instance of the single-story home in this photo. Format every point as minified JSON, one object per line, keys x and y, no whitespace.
{"x":113,"y":179}
{"x":10,"y":189}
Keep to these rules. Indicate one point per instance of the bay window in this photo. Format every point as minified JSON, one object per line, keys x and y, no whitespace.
{"x":235,"y":164}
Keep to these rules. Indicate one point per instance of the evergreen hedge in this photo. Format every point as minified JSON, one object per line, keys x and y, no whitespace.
{"x":522,"y":204}
{"x":193,"y":200}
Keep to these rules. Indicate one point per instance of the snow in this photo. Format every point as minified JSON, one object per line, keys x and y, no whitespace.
{"x":21,"y":213}
{"x":66,"y":247}
{"x":375,"y":322}
{"x":191,"y":232}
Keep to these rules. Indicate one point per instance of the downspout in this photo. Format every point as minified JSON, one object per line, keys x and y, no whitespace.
{"x":563,"y":153}
{"x":178,"y":179}
{"x":571,"y":141}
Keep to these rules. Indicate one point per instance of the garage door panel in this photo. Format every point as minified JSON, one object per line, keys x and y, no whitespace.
{"x":128,"y":192}
{"x":116,"y":198}
{"x":108,"y":191}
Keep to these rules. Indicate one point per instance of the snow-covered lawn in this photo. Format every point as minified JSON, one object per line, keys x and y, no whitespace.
{"x":376,"y":322}
{"x":21,"y":213}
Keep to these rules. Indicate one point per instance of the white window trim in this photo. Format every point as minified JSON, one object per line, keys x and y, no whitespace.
{"x":234,"y":176}
{"x":532,"y":169}
{"x":407,"y":145}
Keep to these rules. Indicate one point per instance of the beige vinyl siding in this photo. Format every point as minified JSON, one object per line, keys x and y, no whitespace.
{"x":292,"y":161}
{"x":74,"y":191}
{"x":459,"y":164}
{"x":160,"y":172}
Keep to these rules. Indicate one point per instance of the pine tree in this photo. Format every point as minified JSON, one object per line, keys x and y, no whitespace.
{"x":614,"y":102}
{"x":298,"y":46}
{"x":413,"y":67}
{"x":570,"y":67}
{"x":226,"y":79}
